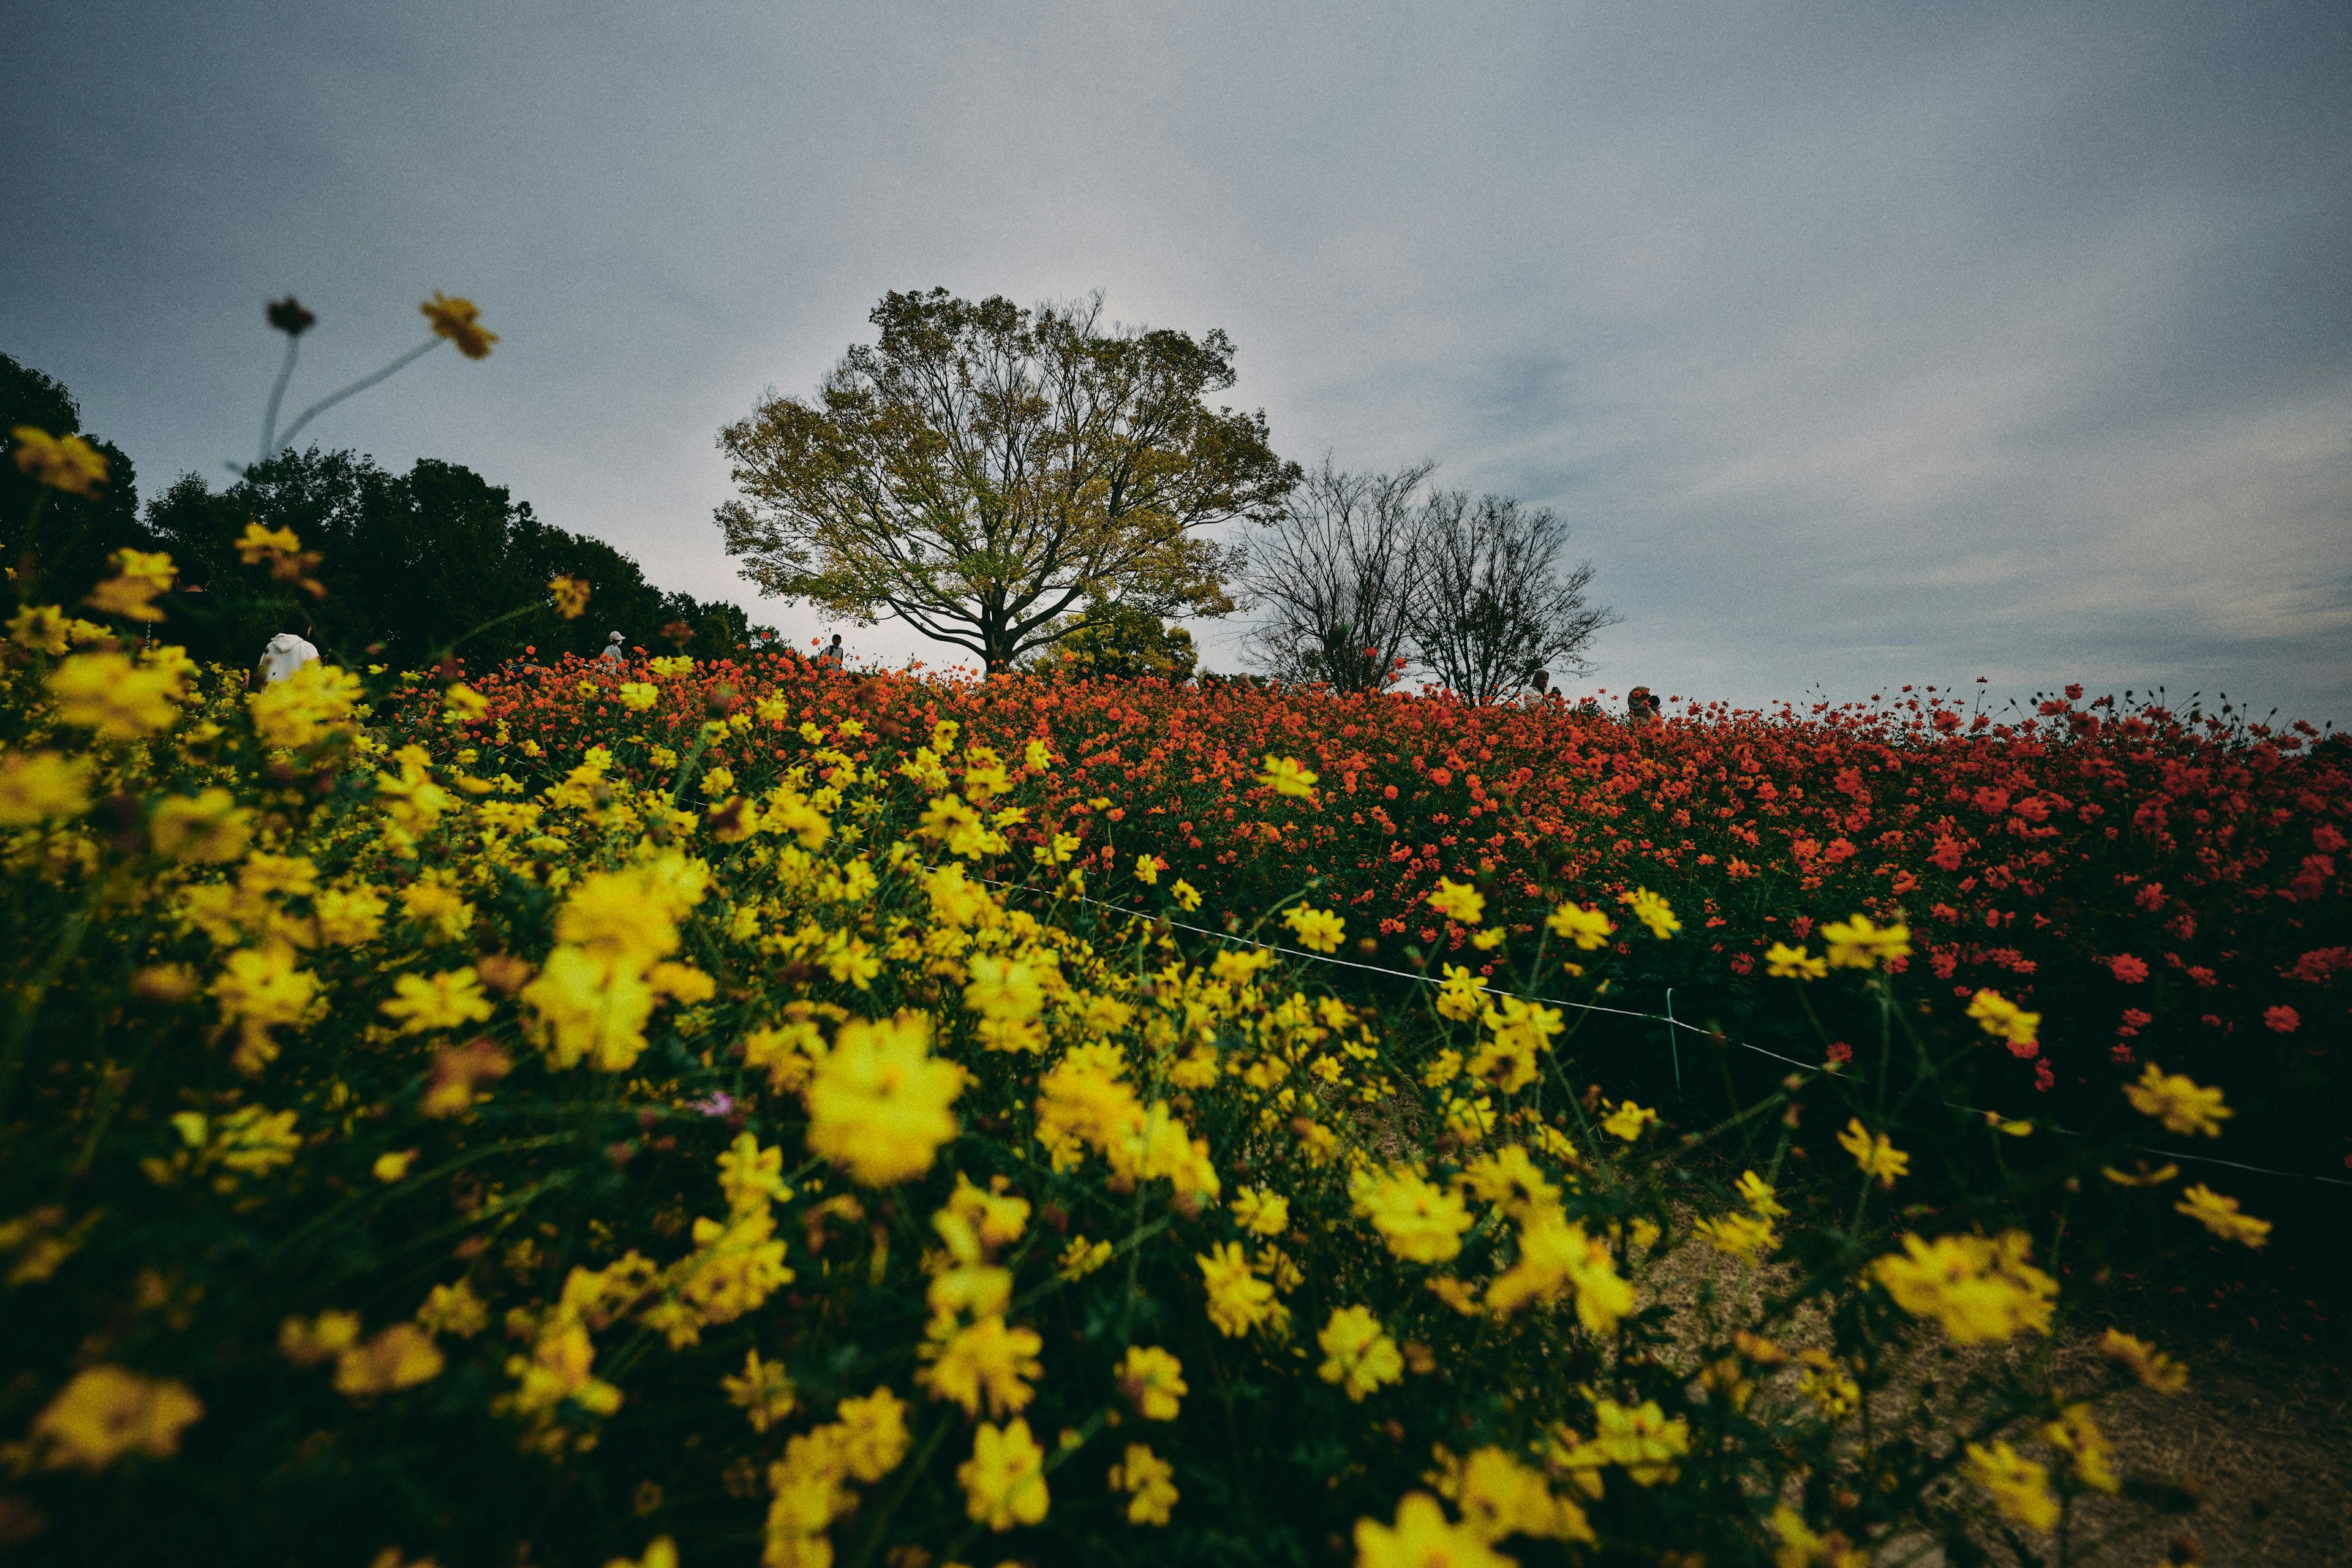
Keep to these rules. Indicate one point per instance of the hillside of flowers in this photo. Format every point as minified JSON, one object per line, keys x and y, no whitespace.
{"x":2163,"y":887}
{"x":691,"y":1114}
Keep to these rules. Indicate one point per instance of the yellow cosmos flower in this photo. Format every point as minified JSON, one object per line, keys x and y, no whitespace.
{"x":1004,"y":988}
{"x":42,"y":786}
{"x":1639,"y":1439}
{"x":2020,"y":1488}
{"x":449,"y":1000}
{"x":878,"y":1102}
{"x":762,"y":1391}
{"x":1317,"y":931}
{"x":113,"y":697}
{"x":1590,"y":929}
{"x":1422,"y":1538}
{"x":140,"y":578}
{"x":987,"y":1361}
{"x":2181,"y":1104}
{"x":1154,"y":1381}
{"x":2221,"y":1216}
{"x":1149,"y":1482}
{"x":401,"y":1357}
{"x":1421,"y":1222}
{"x":2150,"y":1366}
{"x":1187,"y":897}
{"x":1004,"y":1479}
{"x":459,"y":322}
{"x":1287,"y":776}
{"x":1629,"y":1122}
{"x":1358,"y":1354}
{"x":108,"y":1411}
{"x":1979,"y":1289}
{"x":65,"y":463}
{"x":1858,"y":944}
{"x":571,"y":597}
{"x":1998,"y":1016}
{"x":1877,"y":1155}
{"x":1653,"y":910}
{"x":1782,"y":962}
{"x":1238,"y":1299}
{"x":1458,"y":901}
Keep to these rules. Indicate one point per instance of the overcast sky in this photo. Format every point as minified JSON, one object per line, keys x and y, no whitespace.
{"x":1862,"y":344}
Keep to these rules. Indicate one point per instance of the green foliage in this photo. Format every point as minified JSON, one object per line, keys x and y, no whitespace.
{"x":1118,"y":642}
{"x":412,"y":562}
{"x":75,"y":533}
{"x":983,"y":469}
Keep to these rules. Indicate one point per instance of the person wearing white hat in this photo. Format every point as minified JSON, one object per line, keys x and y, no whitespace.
{"x":612,"y":653}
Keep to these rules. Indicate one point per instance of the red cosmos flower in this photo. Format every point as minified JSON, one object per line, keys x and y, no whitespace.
{"x":2282,"y":1019}
{"x":2129,"y":970}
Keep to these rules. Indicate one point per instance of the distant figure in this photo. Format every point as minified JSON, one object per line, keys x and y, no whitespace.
{"x":612,"y":653}
{"x":287,"y":652}
{"x":1640,"y":707}
{"x":1542,"y":681}
{"x":832,"y":657}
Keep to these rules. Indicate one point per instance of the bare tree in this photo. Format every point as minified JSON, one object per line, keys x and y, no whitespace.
{"x":1492,"y":604}
{"x":1334,"y":574}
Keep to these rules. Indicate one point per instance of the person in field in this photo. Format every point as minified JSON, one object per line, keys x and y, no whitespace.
{"x":613,"y":654}
{"x":831,"y":659}
{"x":286,"y":653}
{"x":1640,"y":707}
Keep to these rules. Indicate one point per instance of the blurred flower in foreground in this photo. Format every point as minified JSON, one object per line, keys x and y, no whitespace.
{"x":107,"y":1411}
{"x":65,"y":463}
{"x":459,"y":322}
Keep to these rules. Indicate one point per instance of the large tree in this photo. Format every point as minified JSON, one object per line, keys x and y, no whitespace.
{"x":1334,"y":574}
{"x":1495,"y":601}
{"x":983,"y":469}
{"x":56,"y":542}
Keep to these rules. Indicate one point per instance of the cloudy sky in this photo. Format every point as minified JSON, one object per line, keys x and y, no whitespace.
{"x":1862,"y":344}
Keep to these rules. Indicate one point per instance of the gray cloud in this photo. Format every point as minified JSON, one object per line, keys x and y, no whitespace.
{"x":1864,"y":344}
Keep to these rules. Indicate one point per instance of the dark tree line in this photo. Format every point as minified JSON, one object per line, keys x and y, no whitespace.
{"x":410,"y":562}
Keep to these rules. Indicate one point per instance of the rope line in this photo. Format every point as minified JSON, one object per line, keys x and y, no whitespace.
{"x":1666,"y":1017}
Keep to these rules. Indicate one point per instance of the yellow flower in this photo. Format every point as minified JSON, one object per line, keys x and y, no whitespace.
{"x":43,"y":628}
{"x":1317,"y":931}
{"x":65,"y":463}
{"x":1358,"y":1354}
{"x":453,"y":1309}
{"x":878,"y":1102}
{"x":449,"y":1000}
{"x":457,"y":320}
{"x":1639,"y":1439}
{"x":140,"y":576}
{"x":1238,"y":1299}
{"x":1588,"y":929}
{"x":1557,"y":1254}
{"x":1877,"y":1155}
{"x":1458,"y":901}
{"x":109,"y":695}
{"x":1757,"y":1193}
{"x":316,"y":699}
{"x":1506,"y":1059}
{"x":1979,"y":1289}
{"x":571,"y":595}
{"x":1858,"y":944}
{"x":1004,"y":988}
{"x":108,"y":1411}
{"x":762,"y":1391}
{"x":1800,"y":1548}
{"x":1652,"y":910}
{"x":389,"y":1168}
{"x":1421,"y":1223}
{"x":1422,"y":1538}
{"x":1265,"y":1213}
{"x":258,"y":545}
{"x":1499,"y":1496}
{"x":2221,"y":1216}
{"x":211,"y":828}
{"x":1082,"y":1258}
{"x":1154,"y":1381}
{"x":1458,"y":994}
{"x":1187,"y":897}
{"x":1149,"y":1481}
{"x":258,"y":989}
{"x":2151,"y":1366}
{"x":1287,"y":776}
{"x":2075,"y":1435}
{"x":38,"y":786}
{"x":401,"y":1357}
{"x":987,"y":1359}
{"x":661,"y":1552}
{"x":1004,"y":1479}
{"x":306,"y":1342}
{"x":1629,"y":1122}
{"x":2020,"y":1488}
{"x":1782,"y":962}
{"x":1744,"y":1236}
{"x":1998,"y":1016}
{"x":2183,"y":1107}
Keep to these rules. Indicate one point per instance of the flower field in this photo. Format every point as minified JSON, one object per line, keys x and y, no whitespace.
{"x":710,"y":1112}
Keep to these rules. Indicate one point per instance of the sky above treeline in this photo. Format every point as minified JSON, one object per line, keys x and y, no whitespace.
{"x":1862,"y":344}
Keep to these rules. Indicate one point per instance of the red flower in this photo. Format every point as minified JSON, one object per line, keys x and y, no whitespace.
{"x":2283,"y":1019}
{"x":2128,"y":969}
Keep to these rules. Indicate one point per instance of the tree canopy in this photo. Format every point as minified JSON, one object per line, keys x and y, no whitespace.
{"x":983,"y":469}
{"x":75,"y":533}
{"x":411,"y":561}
